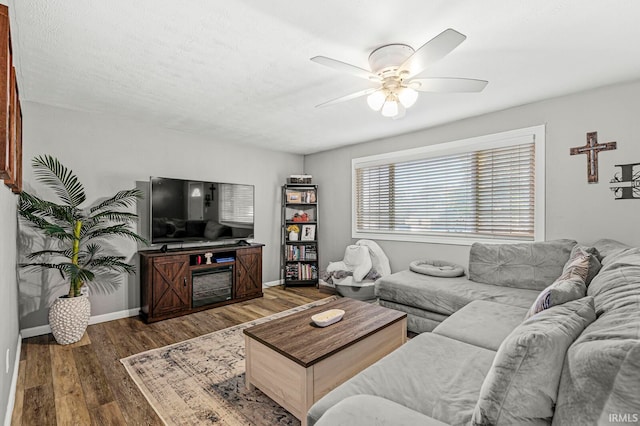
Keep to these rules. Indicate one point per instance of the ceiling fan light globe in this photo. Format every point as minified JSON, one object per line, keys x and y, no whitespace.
{"x":390,"y":108}
{"x":407,"y":97}
{"x":376,"y":100}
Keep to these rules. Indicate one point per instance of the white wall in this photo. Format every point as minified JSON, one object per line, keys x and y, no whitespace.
{"x":109,"y":154}
{"x":9,"y":300}
{"x":574,"y":208}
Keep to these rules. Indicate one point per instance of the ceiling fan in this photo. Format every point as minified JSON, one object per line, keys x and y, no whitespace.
{"x":394,"y":68}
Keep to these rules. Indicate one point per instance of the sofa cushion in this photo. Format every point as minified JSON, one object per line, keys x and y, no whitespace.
{"x":607,"y":247}
{"x":601,"y":375}
{"x":561,"y":291}
{"x":522,"y":385}
{"x":482,"y":323}
{"x":524,"y":265}
{"x":446,"y":295}
{"x":617,"y":286}
{"x":431,"y":374}
{"x":367,"y":410}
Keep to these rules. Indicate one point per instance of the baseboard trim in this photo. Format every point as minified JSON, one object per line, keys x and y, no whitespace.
{"x":35,"y":331}
{"x":114,"y":316}
{"x":45,"y":329}
{"x":272,"y":283}
{"x":14,"y":384}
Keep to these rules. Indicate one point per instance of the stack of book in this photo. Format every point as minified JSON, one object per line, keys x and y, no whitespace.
{"x":301,"y":271}
{"x":302,"y":252}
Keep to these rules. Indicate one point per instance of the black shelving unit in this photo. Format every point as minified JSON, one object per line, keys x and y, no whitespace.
{"x":300,"y":258}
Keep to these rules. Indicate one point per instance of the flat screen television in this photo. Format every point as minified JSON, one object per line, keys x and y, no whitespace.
{"x":184,"y":211}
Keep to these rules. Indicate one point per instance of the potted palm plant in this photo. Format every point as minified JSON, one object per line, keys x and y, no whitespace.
{"x":73,"y":237}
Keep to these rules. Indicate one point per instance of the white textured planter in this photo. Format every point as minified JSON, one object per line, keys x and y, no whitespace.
{"x":293,"y":236}
{"x":69,"y":317}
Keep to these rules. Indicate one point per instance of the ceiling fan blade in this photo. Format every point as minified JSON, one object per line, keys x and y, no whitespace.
{"x":447,"y":85}
{"x":347,"y":97}
{"x":432,"y":51}
{"x":344,"y":67}
{"x":402,"y":111}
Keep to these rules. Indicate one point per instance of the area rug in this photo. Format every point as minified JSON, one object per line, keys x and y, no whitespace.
{"x":201,"y":380}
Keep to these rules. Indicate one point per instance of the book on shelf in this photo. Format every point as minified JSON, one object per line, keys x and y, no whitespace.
{"x":301,"y":271}
{"x":301,"y":252}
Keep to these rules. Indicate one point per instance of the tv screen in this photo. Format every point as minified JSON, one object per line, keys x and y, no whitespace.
{"x":185,"y":211}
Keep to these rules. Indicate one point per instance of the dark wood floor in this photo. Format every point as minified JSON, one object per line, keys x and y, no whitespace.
{"x":85,"y":383}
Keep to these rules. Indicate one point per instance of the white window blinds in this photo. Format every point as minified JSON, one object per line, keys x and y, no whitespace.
{"x":483,"y":193}
{"x":236,"y":203}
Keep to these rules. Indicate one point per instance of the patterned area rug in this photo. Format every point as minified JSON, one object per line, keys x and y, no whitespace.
{"x":201,"y":380}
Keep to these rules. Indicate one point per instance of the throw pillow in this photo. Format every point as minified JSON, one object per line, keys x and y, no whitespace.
{"x":583,"y":261}
{"x":522,"y":384}
{"x":577,"y":266}
{"x":559,"y":292}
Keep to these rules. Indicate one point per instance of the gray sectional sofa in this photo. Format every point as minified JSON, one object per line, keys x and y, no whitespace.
{"x":512,"y":274}
{"x":510,"y":352}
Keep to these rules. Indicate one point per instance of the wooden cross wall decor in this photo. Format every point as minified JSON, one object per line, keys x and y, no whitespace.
{"x":592,"y":148}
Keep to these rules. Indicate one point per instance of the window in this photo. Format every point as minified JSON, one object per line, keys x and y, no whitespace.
{"x":236,"y":203}
{"x":489,"y":187}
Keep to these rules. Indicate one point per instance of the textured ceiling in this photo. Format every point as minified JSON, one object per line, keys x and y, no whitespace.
{"x":239,"y":71}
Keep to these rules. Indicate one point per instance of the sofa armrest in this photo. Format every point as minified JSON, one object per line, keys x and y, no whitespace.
{"x":367,"y":410}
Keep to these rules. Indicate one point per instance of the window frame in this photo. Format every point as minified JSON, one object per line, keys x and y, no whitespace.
{"x":495,"y":140}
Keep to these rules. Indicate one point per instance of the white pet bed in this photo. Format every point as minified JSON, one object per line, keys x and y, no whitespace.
{"x":436,"y":268}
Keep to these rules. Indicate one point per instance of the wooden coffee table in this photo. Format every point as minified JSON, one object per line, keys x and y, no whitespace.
{"x":296,"y":363}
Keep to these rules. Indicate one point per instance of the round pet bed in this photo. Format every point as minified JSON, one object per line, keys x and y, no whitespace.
{"x":436,"y":268}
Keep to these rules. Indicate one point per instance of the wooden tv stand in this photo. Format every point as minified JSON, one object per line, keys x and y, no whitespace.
{"x":166,"y":286}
